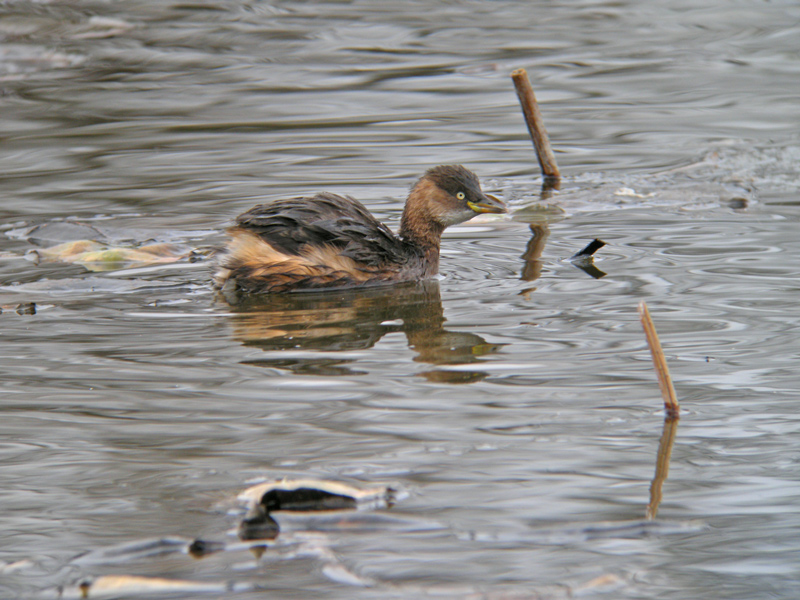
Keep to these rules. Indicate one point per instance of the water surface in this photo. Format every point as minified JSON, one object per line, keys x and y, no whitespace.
{"x":512,"y":399}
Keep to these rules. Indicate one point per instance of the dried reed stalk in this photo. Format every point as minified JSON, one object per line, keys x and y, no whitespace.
{"x":671,"y":405}
{"x":533,"y":118}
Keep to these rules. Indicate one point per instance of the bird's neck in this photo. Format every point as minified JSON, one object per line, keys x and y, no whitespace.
{"x":419,"y":226}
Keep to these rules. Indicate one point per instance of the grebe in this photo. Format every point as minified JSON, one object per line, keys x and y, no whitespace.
{"x":329,"y":241}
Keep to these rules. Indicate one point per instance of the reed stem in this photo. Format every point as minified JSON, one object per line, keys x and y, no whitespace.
{"x":671,"y":405}
{"x":533,"y":118}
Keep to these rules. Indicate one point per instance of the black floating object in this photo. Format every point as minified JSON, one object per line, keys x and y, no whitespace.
{"x":258,"y":525}
{"x":738,"y":203}
{"x":304,"y":495}
{"x":200,"y":548}
{"x":305,"y":499}
{"x":26,"y":308}
{"x":593,"y":247}
{"x":585,"y":262}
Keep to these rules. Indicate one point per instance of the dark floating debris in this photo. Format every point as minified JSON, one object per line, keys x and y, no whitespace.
{"x":305,"y":499}
{"x":200,"y":548}
{"x":258,"y":525}
{"x":304,"y":495}
{"x":589,"y":250}
{"x":24,"y":308}
{"x":738,"y":203}
{"x":584,"y":259}
{"x":315,"y":495}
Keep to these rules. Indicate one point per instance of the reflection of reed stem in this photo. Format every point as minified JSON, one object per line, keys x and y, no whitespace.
{"x":533,"y":118}
{"x":671,"y":405}
{"x":662,"y":465}
{"x":550,"y":186}
{"x":532,"y":268}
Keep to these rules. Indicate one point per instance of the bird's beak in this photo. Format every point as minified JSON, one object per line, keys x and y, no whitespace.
{"x":488,"y":204}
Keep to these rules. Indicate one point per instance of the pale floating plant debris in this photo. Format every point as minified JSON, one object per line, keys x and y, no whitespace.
{"x":337,"y":572}
{"x":68,"y":251}
{"x":601,"y":584}
{"x":102,"y":27}
{"x":21,"y":60}
{"x":118,"y":586}
{"x":13,"y":567}
{"x":630,"y":193}
{"x":97,"y":256}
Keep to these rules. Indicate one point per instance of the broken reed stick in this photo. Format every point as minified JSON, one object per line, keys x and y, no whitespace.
{"x":671,"y":405}
{"x":589,"y":250}
{"x":533,"y":118}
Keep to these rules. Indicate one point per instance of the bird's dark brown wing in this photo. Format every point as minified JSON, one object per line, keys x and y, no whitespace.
{"x":338,"y":221}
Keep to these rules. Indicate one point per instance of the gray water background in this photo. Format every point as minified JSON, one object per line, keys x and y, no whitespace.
{"x":134,"y":403}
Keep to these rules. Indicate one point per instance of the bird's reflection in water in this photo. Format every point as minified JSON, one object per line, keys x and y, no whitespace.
{"x":346,"y":320}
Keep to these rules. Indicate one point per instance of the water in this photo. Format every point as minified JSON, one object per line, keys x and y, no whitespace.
{"x":512,"y":400}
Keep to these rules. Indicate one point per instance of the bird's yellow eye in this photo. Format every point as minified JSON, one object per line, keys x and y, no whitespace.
{"x":460,"y":195}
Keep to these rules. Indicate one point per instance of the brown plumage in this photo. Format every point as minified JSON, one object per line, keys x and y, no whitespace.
{"x":329,"y":241}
